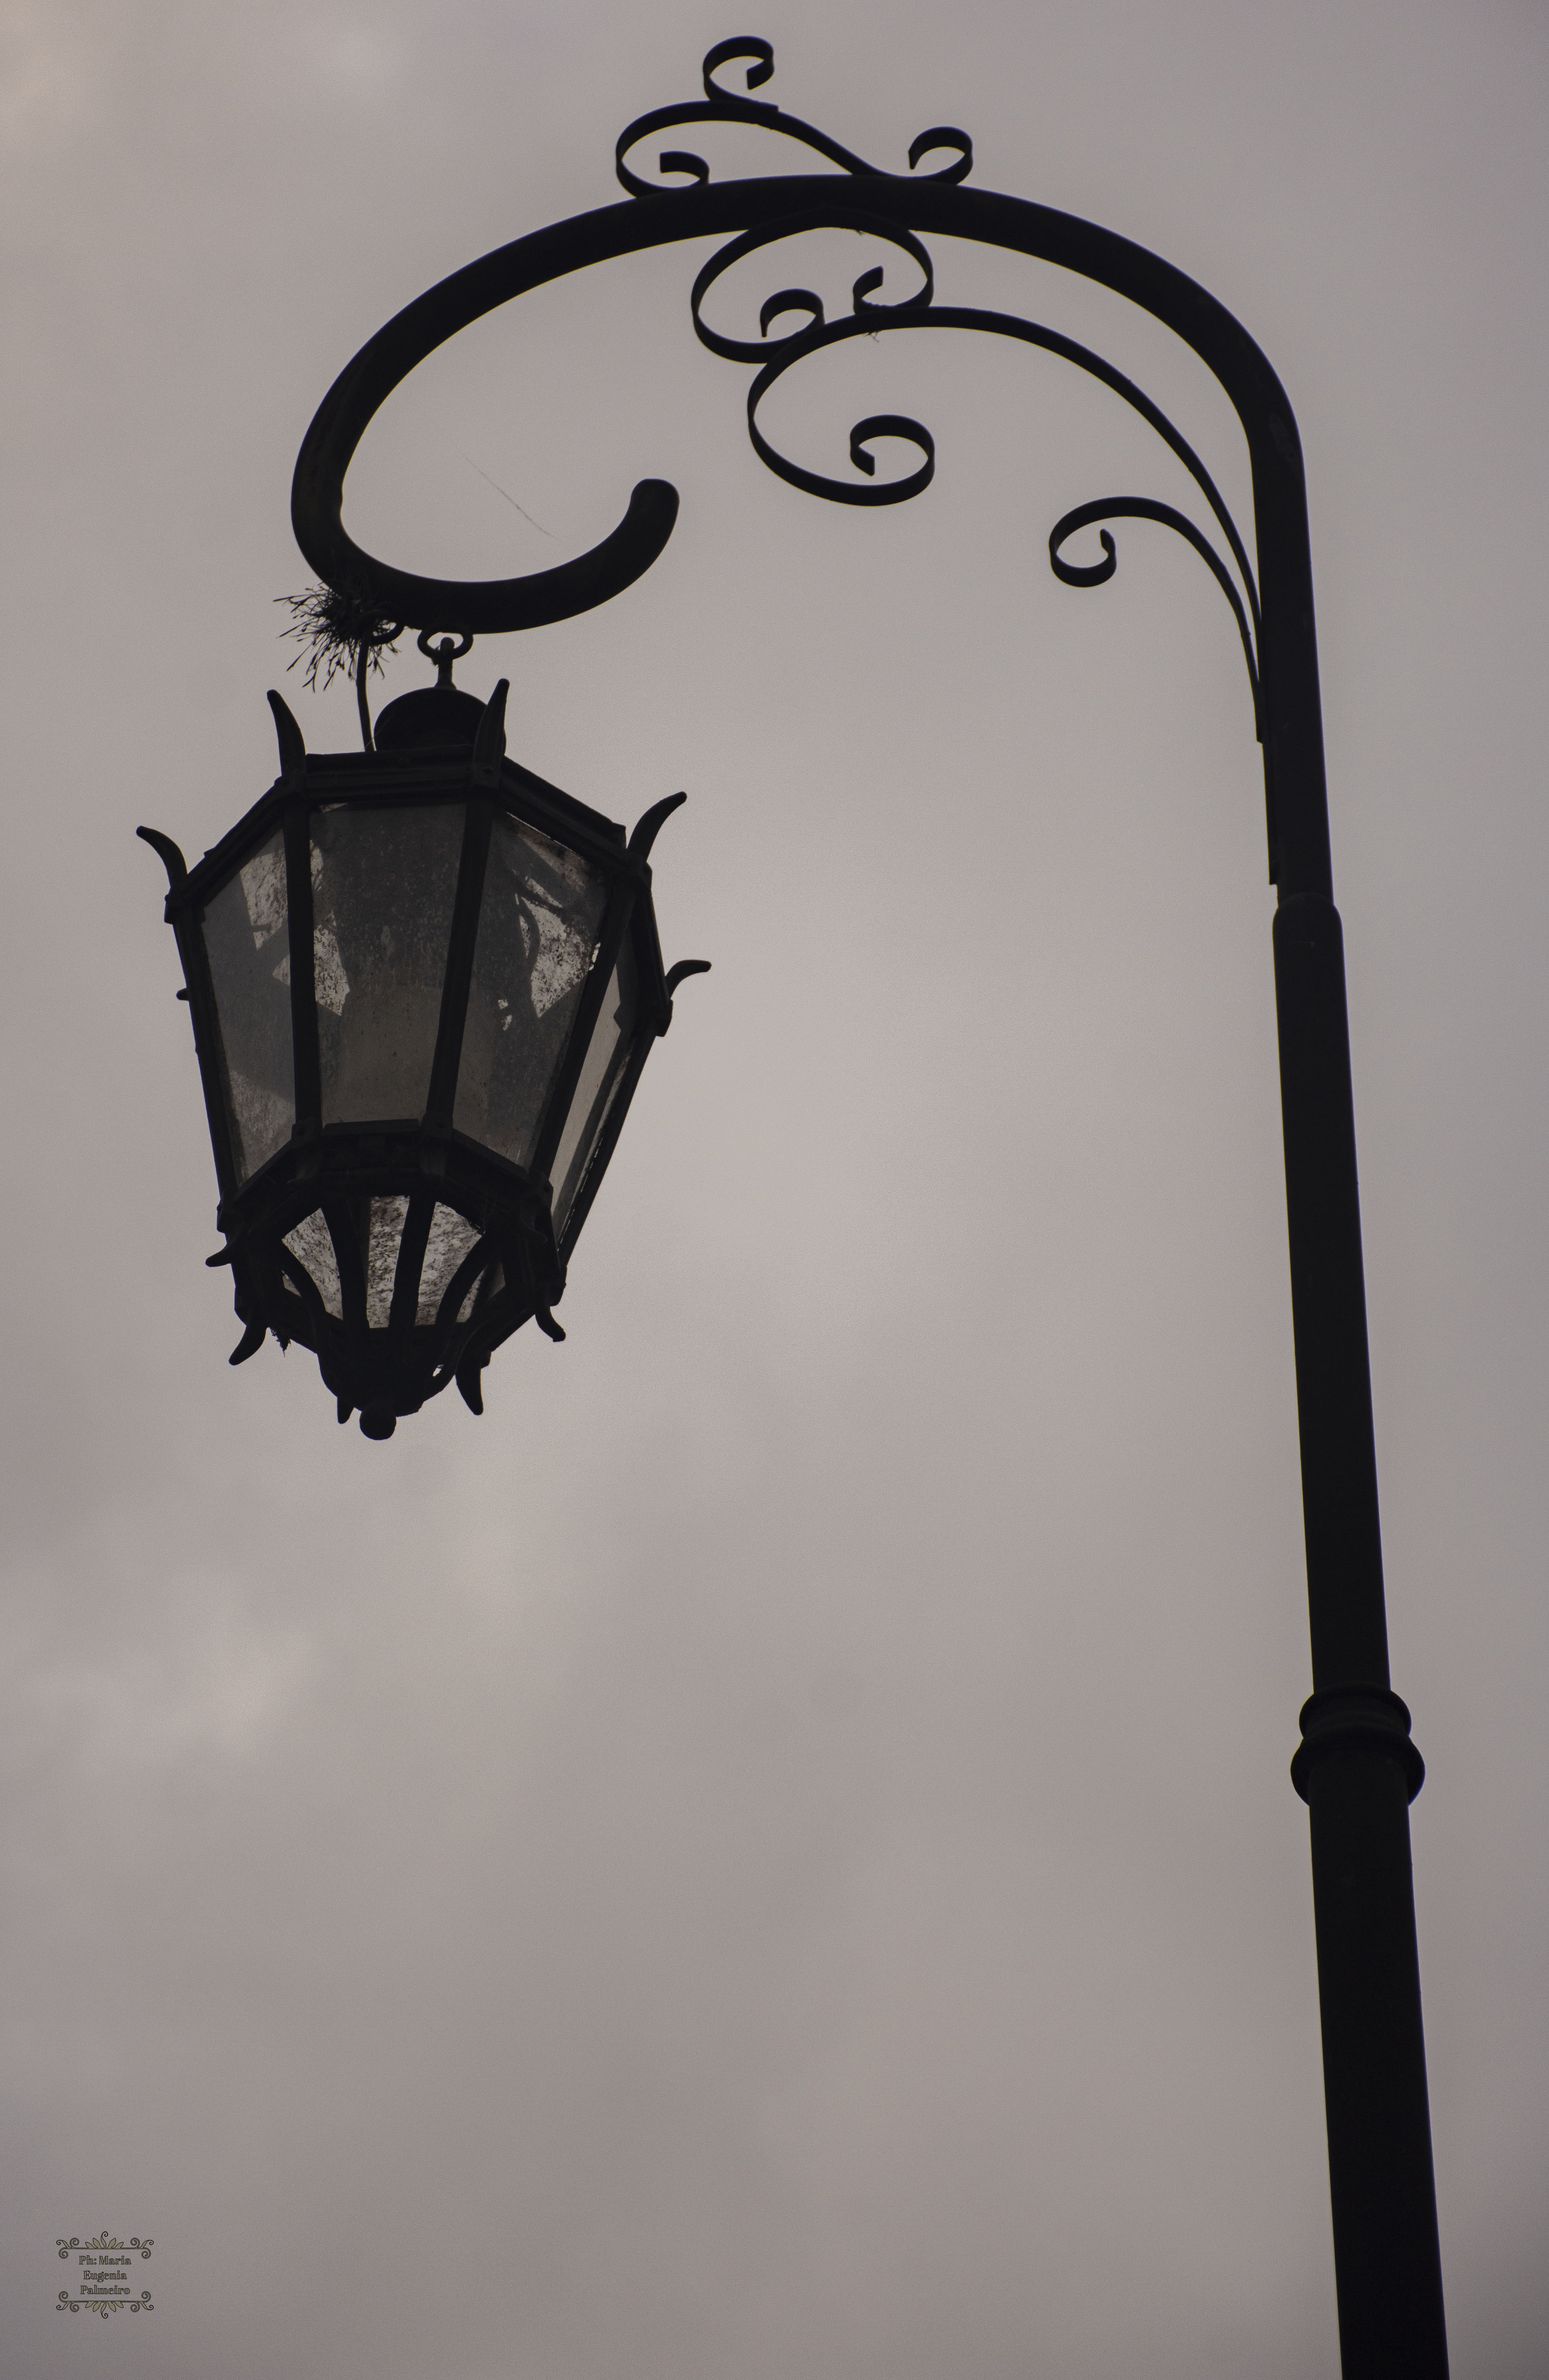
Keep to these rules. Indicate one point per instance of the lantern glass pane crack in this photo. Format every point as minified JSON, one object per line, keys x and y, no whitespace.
{"x":423,"y":985}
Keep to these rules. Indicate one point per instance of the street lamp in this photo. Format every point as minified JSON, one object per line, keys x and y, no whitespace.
{"x":1356,"y":1766}
{"x":423,"y":986}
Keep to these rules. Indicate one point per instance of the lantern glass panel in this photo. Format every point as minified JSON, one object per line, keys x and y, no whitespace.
{"x":452,"y":1238}
{"x":383,"y":883}
{"x":384,"y":1232}
{"x":247,"y":938}
{"x":537,"y":930}
{"x":311,"y":1243}
{"x":602,"y":1072}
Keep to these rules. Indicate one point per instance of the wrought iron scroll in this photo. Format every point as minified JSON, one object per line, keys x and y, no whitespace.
{"x":722,"y":106}
{"x":895,"y":208}
{"x":918,"y":312}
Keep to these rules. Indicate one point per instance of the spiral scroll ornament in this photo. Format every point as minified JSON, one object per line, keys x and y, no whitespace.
{"x":722,"y":106}
{"x":918,"y":311}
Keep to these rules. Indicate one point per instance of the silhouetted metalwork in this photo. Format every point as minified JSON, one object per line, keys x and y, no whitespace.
{"x":423,"y":986}
{"x":1357,"y":1768}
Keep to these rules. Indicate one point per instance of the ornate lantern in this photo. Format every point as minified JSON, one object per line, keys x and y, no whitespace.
{"x":424,"y":984}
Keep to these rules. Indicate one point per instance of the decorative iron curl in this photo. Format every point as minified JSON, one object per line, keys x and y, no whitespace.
{"x":775,"y":358}
{"x":1075,"y":574}
{"x":722,"y":106}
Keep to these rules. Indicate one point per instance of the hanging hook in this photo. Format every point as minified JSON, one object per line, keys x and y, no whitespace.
{"x":444,"y":653}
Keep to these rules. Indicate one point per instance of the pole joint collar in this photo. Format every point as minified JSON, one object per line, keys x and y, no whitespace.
{"x":1369,"y":1717}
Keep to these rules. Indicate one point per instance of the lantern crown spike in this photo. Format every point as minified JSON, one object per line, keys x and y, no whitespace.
{"x":169,"y":855}
{"x":488,"y":743}
{"x":651,"y":823}
{"x":292,"y":744}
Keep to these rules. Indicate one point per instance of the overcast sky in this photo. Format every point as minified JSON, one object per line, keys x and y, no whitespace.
{"x":771,"y":1853}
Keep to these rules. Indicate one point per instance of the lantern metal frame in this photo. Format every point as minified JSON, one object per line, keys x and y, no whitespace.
{"x":1356,"y":1766}
{"x":515,"y":1269}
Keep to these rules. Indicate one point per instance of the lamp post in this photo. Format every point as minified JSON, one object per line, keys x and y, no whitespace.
{"x":477,"y":1189}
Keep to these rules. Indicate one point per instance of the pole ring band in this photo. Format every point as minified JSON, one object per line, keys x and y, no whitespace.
{"x":1367,"y":1716}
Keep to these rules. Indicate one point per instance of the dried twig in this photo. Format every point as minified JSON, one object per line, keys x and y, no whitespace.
{"x":340,"y":635}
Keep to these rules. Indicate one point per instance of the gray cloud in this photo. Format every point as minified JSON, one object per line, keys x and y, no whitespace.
{"x":772,"y":1849}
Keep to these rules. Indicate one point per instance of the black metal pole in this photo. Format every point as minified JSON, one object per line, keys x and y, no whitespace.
{"x":1356,"y":1768}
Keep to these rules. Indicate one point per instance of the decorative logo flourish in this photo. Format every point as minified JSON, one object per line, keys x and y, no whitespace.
{"x":91,"y":2247}
{"x":105,"y":2265}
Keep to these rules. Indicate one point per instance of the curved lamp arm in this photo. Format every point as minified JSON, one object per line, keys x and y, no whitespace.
{"x":898,"y":207}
